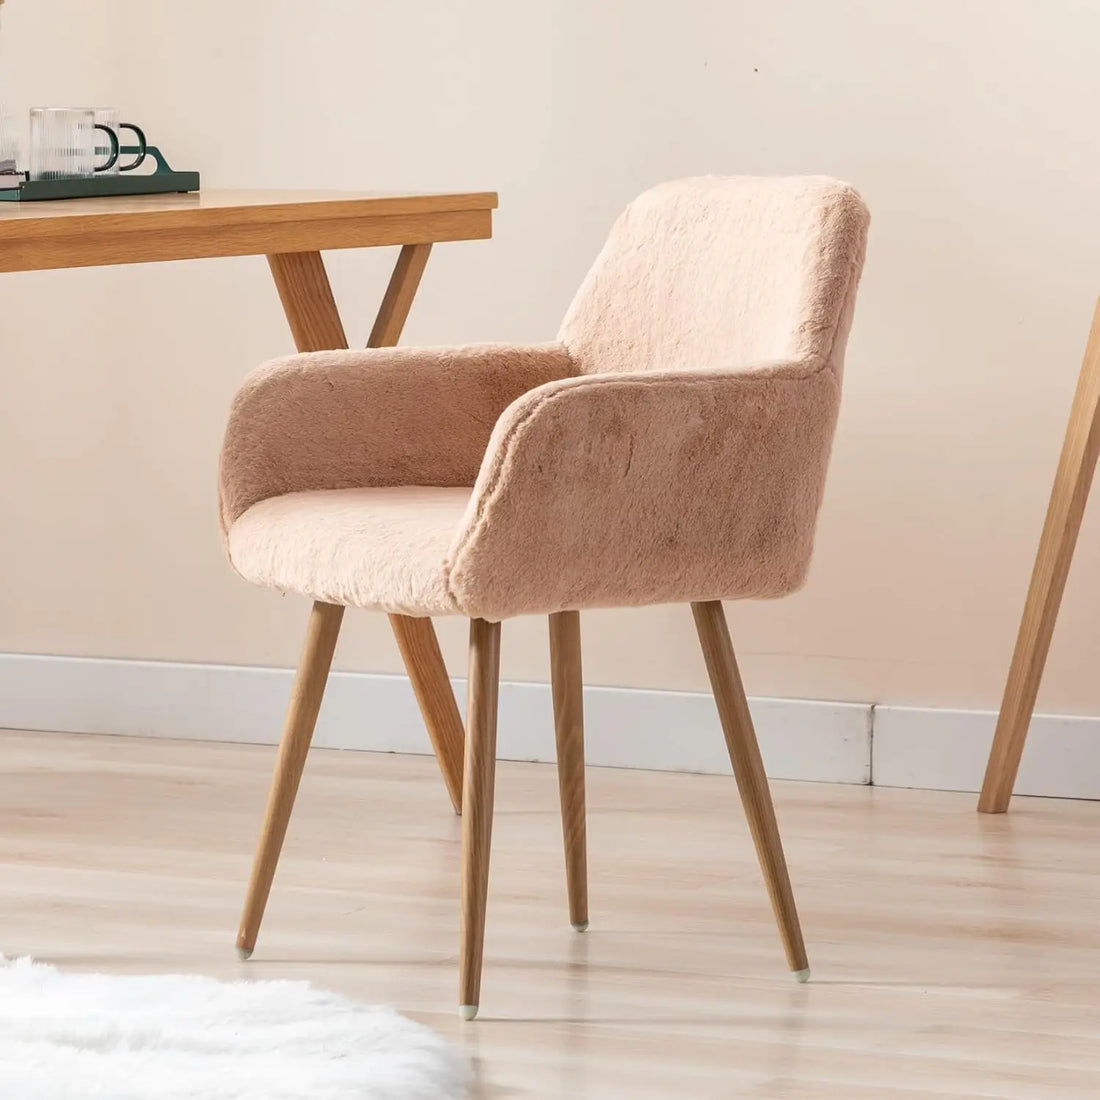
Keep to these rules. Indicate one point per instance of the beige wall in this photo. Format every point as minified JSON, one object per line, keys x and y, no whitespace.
{"x":968,"y":125}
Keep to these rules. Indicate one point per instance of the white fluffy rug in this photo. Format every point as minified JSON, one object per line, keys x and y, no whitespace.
{"x":98,"y":1037}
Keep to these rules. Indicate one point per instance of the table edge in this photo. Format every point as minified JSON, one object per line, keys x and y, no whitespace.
{"x":224,"y":217}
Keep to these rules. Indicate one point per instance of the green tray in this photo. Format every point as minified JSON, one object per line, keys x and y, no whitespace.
{"x":162,"y":181}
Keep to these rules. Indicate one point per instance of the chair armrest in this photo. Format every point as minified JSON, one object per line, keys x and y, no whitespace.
{"x":629,"y":489}
{"x":386,"y":416}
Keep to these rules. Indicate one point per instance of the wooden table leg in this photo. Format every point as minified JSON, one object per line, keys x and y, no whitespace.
{"x":1048,"y":580}
{"x":310,"y":308}
{"x":398,"y":299}
{"x":420,"y":651}
{"x":304,"y":290}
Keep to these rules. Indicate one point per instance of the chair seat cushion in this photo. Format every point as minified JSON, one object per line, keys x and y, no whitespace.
{"x":381,"y":548}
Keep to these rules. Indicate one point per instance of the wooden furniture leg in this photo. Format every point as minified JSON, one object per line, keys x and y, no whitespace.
{"x":310,"y":307}
{"x":567,"y":685}
{"x":748,"y":769}
{"x":1048,"y":581}
{"x":477,"y":803}
{"x":398,"y":299}
{"x":420,"y":651}
{"x":301,"y":717}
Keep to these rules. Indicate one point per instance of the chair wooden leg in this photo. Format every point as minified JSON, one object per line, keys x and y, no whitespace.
{"x":301,"y":717}
{"x":748,"y":768}
{"x":567,"y":684}
{"x":1048,"y":581}
{"x":420,"y":651}
{"x":477,"y":805}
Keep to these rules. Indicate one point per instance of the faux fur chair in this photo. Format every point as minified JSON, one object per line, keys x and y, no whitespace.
{"x":670,"y":446}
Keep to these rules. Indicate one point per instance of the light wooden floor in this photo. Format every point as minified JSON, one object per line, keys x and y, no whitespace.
{"x":954,"y":955}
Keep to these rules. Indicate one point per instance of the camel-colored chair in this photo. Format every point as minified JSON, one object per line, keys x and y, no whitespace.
{"x":670,"y":446}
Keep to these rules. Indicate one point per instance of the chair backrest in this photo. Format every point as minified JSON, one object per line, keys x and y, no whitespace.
{"x":722,"y":272}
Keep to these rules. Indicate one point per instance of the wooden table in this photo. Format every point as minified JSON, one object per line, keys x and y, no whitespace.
{"x":1066,"y":509}
{"x":291,"y":228}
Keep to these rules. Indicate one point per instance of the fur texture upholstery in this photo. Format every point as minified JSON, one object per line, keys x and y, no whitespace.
{"x":316,"y":543}
{"x":720,"y":273}
{"x":388,"y":416}
{"x":648,"y":488}
{"x":672,"y":446}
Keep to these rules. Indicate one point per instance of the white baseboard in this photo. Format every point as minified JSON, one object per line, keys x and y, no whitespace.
{"x":946,"y":750}
{"x":661,"y":730}
{"x":624,"y":727}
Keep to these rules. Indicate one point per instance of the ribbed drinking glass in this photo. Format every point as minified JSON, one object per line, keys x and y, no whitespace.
{"x":63,"y":143}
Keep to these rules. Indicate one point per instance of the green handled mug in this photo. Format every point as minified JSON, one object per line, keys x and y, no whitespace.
{"x":106,"y":118}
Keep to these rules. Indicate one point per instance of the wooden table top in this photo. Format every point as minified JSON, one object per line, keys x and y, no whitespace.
{"x":141,"y":228}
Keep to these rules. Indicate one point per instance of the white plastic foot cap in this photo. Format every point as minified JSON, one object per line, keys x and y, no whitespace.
{"x":467,"y":1012}
{"x":244,"y":953}
{"x":801,"y":975}
{"x":580,"y":926}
